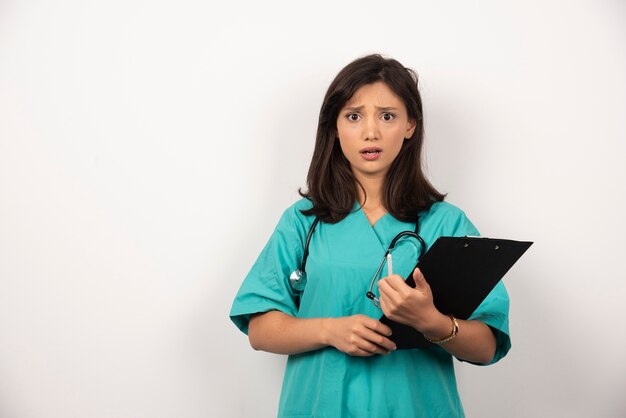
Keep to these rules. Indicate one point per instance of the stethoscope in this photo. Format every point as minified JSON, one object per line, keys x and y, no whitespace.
{"x":298,"y":277}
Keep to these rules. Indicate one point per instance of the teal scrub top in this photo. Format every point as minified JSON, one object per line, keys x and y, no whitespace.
{"x":343,"y":258}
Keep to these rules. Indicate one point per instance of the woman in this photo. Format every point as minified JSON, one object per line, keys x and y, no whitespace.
{"x":365,"y":185}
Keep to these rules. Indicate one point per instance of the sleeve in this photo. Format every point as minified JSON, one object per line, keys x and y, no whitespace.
{"x":494,"y":310}
{"x":266,"y":287}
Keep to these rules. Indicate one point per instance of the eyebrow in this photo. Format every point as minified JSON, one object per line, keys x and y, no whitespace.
{"x":359,"y":108}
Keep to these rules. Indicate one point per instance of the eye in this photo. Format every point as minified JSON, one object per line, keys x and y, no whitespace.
{"x":388,"y":117}
{"x":353,"y":117}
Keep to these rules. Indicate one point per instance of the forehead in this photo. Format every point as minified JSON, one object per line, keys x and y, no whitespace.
{"x":375,"y":94}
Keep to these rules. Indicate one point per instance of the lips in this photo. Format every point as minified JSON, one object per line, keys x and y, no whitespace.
{"x":371,"y":151}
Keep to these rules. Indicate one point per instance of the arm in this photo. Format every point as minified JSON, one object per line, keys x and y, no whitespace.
{"x":474,"y":342}
{"x":357,"y":335}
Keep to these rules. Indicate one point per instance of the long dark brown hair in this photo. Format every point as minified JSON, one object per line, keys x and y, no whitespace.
{"x":331,"y":185}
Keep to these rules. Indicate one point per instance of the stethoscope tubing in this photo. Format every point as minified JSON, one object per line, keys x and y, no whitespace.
{"x":370,"y":293}
{"x":298,"y":277}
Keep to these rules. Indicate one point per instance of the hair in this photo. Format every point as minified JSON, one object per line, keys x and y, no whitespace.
{"x":331,"y":185}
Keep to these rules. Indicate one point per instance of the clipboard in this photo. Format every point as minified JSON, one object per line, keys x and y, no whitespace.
{"x":461,"y":271}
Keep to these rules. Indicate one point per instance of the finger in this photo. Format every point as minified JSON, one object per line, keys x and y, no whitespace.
{"x":388,"y":305}
{"x":388,"y":283}
{"x":376,"y":342}
{"x":419,"y":279}
{"x":376,"y":326}
{"x":396,"y":283}
{"x":387,"y":292}
{"x":383,"y":306}
{"x":360,"y":345}
{"x":372,"y":330}
{"x":373,"y":348}
{"x":359,"y":352}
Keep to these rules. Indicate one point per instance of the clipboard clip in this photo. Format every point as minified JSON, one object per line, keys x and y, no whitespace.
{"x":466,"y":244}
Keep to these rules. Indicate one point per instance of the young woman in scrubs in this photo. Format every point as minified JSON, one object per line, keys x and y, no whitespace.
{"x":365,"y":184}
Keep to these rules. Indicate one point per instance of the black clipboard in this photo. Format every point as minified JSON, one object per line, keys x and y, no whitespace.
{"x":461,"y":271}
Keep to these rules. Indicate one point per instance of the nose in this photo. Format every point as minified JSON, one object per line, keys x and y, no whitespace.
{"x":371,"y":129}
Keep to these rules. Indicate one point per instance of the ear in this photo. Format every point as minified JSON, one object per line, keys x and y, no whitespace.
{"x":410,"y":128}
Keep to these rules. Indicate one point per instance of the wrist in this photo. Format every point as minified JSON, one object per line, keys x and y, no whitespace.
{"x":438,"y":326}
{"x":324,"y":331}
{"x":453,"y":332}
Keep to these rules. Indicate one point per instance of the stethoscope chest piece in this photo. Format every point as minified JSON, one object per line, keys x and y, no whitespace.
{"x":297,"y":279}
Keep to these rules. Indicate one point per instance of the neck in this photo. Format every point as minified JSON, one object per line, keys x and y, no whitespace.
{"x":373,"y":190}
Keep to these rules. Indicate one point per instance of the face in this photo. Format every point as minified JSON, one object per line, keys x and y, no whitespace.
{"x":372,"y":126}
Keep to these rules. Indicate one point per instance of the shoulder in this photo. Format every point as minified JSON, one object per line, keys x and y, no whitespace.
{"x":294,"y":212}
{"x":299,"y":205}
{"x":448,"y":218}
{"x":442,"y":210}
{"x":293,"y":218}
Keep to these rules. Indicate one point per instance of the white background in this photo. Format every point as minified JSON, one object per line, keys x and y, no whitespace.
{"x":147,"y":149}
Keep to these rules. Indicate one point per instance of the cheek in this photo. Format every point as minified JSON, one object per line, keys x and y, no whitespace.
{"x":397,"y":146}
{"x":344,"y":131}
{"x":397,"y":150}
{"x":345,"y":147}
{"x":347,"y":139}
{"x":397,"y":137}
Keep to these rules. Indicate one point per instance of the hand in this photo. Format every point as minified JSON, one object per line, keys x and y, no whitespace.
{"x":406,"y":305}
{"x":358,"y":335}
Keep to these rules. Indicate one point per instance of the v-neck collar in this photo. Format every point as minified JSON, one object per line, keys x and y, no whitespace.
{"x":378,"y":229}
{"x":358,"y":208}
{"x":381,"y":230}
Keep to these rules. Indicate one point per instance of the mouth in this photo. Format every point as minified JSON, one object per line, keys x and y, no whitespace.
{"x":371,"y":151}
